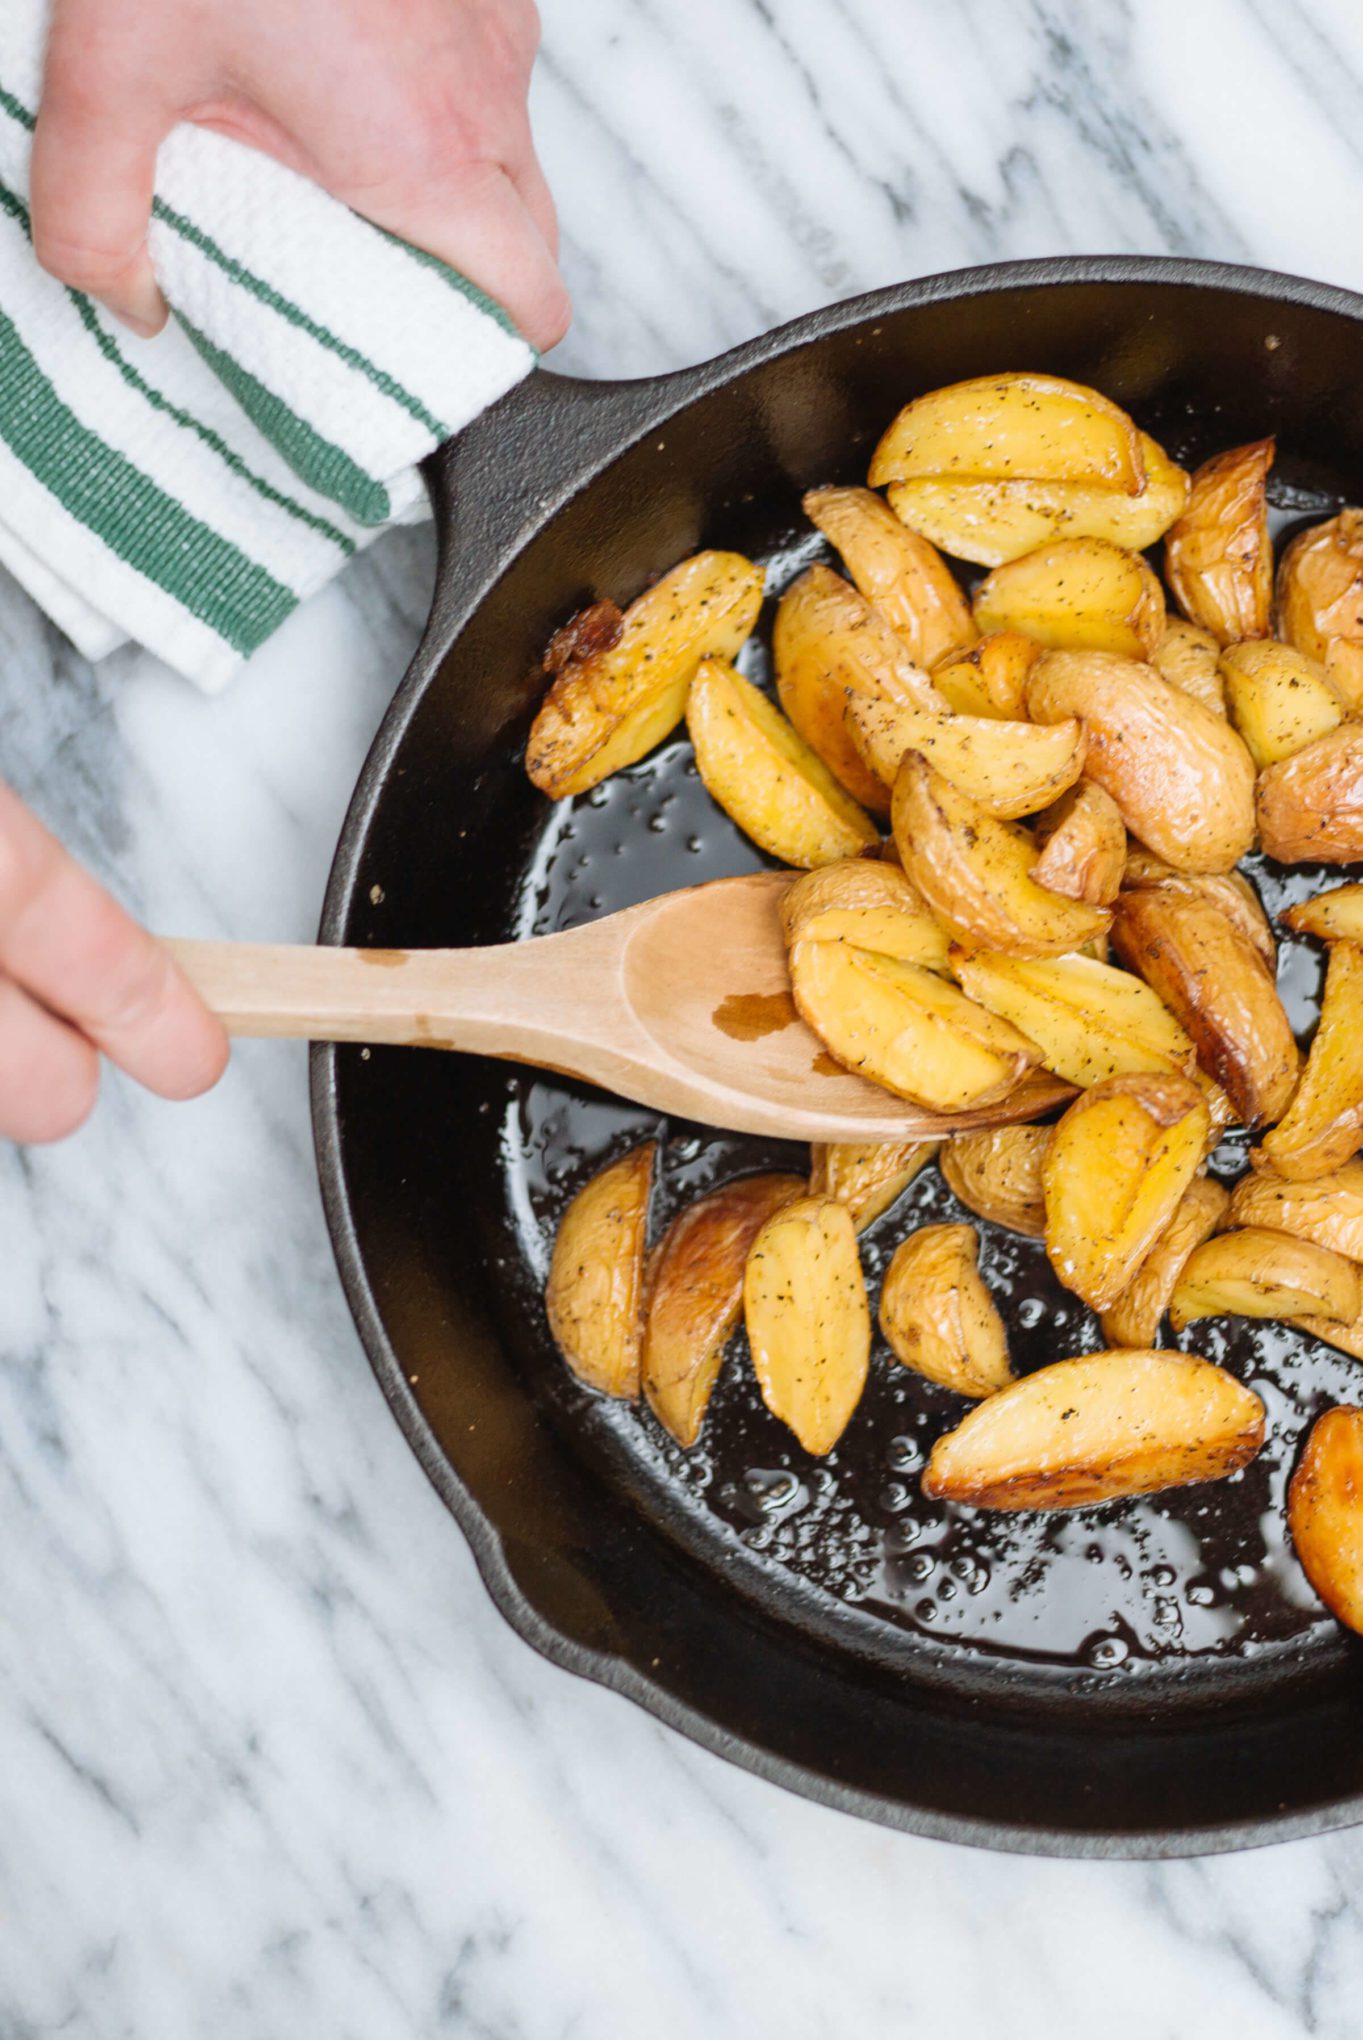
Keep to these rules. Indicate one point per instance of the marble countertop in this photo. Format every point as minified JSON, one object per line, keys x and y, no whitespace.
{"x":271,"y":1762}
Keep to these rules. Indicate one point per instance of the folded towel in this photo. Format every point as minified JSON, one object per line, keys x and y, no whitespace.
{"x":188,"y":492}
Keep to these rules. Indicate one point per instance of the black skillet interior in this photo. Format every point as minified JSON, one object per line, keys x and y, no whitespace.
{"x":1141,"y":1679}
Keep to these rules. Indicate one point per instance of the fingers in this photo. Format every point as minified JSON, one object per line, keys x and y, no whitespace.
{"x":49,"y":1074}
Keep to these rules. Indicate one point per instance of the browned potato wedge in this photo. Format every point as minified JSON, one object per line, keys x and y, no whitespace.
{"x":1310,"y":806}
{"x":1180,"y":775}
{"x":1256,"y":1273}
{"x":974,"y":871}
{"x":695,"y":1295}
{"x":605,"y":711}
{"x":991,"y":678}
{"x":868,"y":902}
{"x":1010,"y":768}
{"x":1334,"y":916}
{"x":1135,"y":1318}
{"x":1278,"y":699}
{"x":1188,"y":657}
{"x":765,"y":777}
{"x":809,"y":1324}
{"x":1327,"y":1209}
{"x":992,"y":522}
{"x":867,"y":1177}
{"x":905,"y":1027}
{"x":996,"y":1173}
{"x":902,"y":574}
{"x":595,"y":1293}
{"x":1345,"y":1338}
{"x":1013,"y":427}
{"x":1325,"y":1512}
{"x":1218,"y":557}
{"x":1089,"y":1020}
{"x":1091,"y":1429}
{"x":937,"y":1316}
{"x":1076,"y":592}
{"x":1230,"y":891}
{"x":1323,"y":1127}
{"x":1082,"y":839}
{"x":1212,"y":977}
{"x":1117,"y":1164}
{"x":1320,"y":600}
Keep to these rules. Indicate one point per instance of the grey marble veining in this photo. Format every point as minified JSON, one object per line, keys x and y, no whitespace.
{"x":269,"y":1761}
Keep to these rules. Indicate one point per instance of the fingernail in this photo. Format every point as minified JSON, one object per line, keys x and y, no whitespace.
{"x":141,"y":308}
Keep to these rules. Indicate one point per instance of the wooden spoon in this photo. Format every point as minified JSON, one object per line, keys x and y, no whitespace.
{"x":682,"y":1003}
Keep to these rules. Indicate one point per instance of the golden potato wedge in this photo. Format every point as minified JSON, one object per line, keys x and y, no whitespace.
{"x":605,"y":711}
{"x":1135,"y":1318}
{"x":595,"y":1293}
{"x":902,"y":574}
{"x":1230,"y":891}
{"x":993,"y":522}
{"x":1082,"y":839}
{"x":1117,"y":1164}
{"x":1180,"y":775}
{"x":1218,"y":557}
{"x":1325,"y":1512}
{"x":1310,"y":806}
{"x":809,"y":1324}
{"x":1345,"y":1338}
{"x":1076,"y":592}
{"x":938,"y":1318}
{"x":1188,"y":657}
{"x":1323,"y":1126}
{"x":1279,"y":700}
{"x":765,"y":777}
{"x":1320,"y":601}
{"x":996,"y":1173}
{"x":1092,"y":1429}
{"x":1327,"y":1209}
{"x":1013,"y":427}
{"x":1089,"y":1020}
{"x":868,"y":1177}
{"x":906,"y":1028}
{"x":695,"y":1295}
{"x":1211,"y":976}
{"x":1010,"y":768}
{"x":868,"y":902}
{"x":991,"y":678}
{"x":1256,"y":1273}
{"x":974,"y":871}
{"x":1334,"y":916}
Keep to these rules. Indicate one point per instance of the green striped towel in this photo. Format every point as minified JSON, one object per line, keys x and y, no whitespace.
{"x":188,"y":492}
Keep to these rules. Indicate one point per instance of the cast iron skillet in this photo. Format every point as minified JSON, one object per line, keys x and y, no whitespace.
{"x":1148,"y":1679}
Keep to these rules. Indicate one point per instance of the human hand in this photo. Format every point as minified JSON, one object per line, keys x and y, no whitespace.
{"x":77,"y":976}
{"x":413,"y":112}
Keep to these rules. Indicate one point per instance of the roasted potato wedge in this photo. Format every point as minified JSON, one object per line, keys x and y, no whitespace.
{"x":996,"y":1173}
{"x":991,"y":678}
{"x":809,"y":1324}
{"x":764,"y":775}
{"x":1310,"y":806}
{"x":1135,"y":1318}
{"x":937,"y":1316}
{"x":1076,"y":592}
{"x":1013,"y":427}
{"x":1092,"y":1429}
{"x":902,"y":574}
{"x":1010,"y":768}
{"x":1230,"y":891}
{"x":868,"y":1177}
{"x":1213,"y":978}
{"x":905,"y":1027}
{"x":1279,"y":700}
{"x":1334,"y":916}
{"x":1323,"y":1126}
{"x":595,"y":1293}
{"x":1082,"y":839}
{"x":1188,"y":657}
{"x":868,"y":902}
{"x":1218,"y":557}
{"x":974,"y":871}
{"x":1327,"y":1209}
{"x":1320,"y":601}
{"x":1117,"y":1165}
{"x":605,"y":711}
{"x":1089,"y":1020}
{"x":1325,"y":1512}
{"x":1182,"y":778}
{"x":1256,"y":1273}
{"x":695,"y":1295}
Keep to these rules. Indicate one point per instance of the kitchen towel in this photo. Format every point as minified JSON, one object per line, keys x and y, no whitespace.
{"x":188,"y":492}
